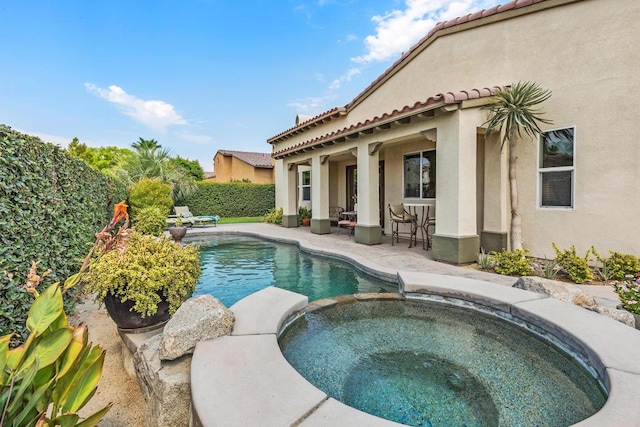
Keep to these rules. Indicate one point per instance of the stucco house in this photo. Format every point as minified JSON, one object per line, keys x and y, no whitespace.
{"x":230,"y":165}
{"x":416,"y":135}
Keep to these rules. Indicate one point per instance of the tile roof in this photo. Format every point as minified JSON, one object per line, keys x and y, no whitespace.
{"x":431,"y":35}
{"x":384,"y":121}
{"x":257,"y":160}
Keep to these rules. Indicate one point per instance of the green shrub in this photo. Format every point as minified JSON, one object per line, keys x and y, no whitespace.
{"x":576,"y":267}
{"x":511,"y":263}
{"x":230,"y":199}
{"x":618,"y":265}
{"x":146,"y":268}
{"x":51,"y":206}
{"x":274,"y":216}
{"x":304,"y":212}
{"x":150,"y":192}
{"x":150,"y":220}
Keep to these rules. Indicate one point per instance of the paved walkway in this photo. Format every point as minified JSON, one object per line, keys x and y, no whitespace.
{"x":388,"y":258}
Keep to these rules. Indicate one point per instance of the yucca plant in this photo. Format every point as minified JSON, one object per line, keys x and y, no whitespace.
{"x":513,"y":112}
{"x":54,"y":373}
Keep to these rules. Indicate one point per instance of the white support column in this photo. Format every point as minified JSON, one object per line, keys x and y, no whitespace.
{"x":494,"y":235}
{"x":287,"y":197}
{"x":320,"y":223}
{"x":456,"y":239}
{"x":368,"y":230}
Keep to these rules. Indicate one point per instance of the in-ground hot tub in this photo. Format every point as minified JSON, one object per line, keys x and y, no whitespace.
{"x":425,"y":363}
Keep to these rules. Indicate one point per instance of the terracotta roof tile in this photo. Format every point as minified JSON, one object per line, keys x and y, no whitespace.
{"x":257,"y":160}
{"x":446,"y":98}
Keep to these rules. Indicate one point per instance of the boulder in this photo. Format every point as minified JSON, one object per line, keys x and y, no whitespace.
{"x":199,"y":318}
{"x":562,"y":291}
{"x":166,"y":386}
{"x":620,"y":315}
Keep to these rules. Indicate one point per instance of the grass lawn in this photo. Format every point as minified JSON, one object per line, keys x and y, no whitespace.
{"x":238,"y":220}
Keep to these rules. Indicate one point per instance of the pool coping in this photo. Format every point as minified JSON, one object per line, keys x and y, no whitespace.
{"x":243,"y":379}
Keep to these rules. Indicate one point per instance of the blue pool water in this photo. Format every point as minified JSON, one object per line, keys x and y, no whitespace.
{"x":430,"y":364}
{"x":236,"y":266}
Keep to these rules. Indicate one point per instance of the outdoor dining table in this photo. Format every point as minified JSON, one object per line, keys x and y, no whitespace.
{"x":423,"y":221}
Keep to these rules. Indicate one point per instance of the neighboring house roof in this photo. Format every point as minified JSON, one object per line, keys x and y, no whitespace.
{"x":387,"y":119}
{"x":397,"y":65}
{"x":257,"y":160}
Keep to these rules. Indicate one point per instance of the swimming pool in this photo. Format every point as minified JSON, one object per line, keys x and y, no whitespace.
{"x":234,"y":267}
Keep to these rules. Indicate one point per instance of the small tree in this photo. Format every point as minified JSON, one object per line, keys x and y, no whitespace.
{"x":513,"y":112}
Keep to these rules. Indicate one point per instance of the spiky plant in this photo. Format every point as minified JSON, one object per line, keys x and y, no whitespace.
{"x":513,"y":111}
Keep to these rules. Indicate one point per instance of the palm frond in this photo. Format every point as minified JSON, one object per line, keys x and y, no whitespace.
{"x":512,"y":110}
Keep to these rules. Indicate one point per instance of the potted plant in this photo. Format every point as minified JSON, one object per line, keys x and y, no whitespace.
{"x":178,"y":231}
{"x":141,"y":279}
{"x":305,"y":215}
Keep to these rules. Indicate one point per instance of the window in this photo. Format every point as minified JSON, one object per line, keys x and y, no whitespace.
{"x":420,"y":175}
{"x":306,"y":186}
{"x":556,"y":171}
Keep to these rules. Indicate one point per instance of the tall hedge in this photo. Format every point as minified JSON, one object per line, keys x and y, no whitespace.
{"x":51,"y":204}
{"x":230,"y":199}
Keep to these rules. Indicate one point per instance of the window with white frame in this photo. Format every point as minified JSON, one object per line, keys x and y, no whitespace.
{"x":420,"y":175}
{"x":556,"y":168}
{"x":305,"y":185}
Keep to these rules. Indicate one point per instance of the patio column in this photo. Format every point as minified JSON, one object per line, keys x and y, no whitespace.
{"x":288,"y":174}
{"x":368,"y":230}
{"x":456,"y":240}
{"x":495,"y":230}
{"x":320,"y":222}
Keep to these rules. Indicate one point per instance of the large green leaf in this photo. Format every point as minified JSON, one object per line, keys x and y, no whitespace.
{"x":94,"y":419}
{"x":51,"y":347}
{"x":45,"y":310}
{"x":78,"y":341}
{"x":84,"y":386}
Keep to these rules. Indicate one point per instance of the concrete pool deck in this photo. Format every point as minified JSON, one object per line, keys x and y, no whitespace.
{"x":243,"y":379}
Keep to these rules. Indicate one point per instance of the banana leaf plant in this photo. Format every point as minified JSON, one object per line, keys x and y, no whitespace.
{"x":54,"y":373}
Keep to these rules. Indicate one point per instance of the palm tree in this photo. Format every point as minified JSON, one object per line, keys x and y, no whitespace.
{"x":145,"y":145}
{"x":513,"y":112}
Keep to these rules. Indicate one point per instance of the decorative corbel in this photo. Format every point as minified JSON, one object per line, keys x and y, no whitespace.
{"x":324,"y":158}
{"x":430,"y":134}
{"x":354,"y":151}
{"x":374,"y":147}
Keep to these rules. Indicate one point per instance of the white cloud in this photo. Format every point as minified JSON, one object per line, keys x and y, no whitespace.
{"x":398,"y":30}
{"x":346,"y":77}
{"x":156,"y":115}
{"x":311,"y":103}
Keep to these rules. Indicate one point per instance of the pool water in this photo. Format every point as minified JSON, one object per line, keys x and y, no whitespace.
{"x":429,"y":364}
{"x":234,"y":267}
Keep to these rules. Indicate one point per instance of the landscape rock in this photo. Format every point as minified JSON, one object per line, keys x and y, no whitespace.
{"x":620,"y":315}
{"x":165,"y":386}
{"x":559,"y":290}
{"x":199,"y":318}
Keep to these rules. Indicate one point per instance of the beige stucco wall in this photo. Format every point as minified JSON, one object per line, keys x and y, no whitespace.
{"x":585,"y":53}
{"x":229,"y":168}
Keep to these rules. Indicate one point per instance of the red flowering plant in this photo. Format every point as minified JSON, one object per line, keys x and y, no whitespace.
{"x":629,"y":292}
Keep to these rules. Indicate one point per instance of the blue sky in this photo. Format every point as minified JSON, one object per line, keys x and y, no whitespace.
{"x":197,"y":75}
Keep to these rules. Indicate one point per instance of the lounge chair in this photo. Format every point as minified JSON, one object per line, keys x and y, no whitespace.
{"x":189,"y":218}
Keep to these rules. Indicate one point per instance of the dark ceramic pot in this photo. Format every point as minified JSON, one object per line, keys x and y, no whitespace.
{"x":178,"y":233}
{"x":124,"y":318}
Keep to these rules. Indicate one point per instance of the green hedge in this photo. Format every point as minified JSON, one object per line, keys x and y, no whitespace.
{"x":230,"y":199}
{"x":51,"y":204}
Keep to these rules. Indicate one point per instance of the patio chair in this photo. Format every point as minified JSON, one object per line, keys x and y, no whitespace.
{"x":347,"y":221}
{"x":399,"y":215}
